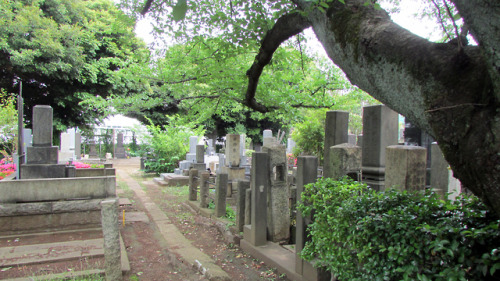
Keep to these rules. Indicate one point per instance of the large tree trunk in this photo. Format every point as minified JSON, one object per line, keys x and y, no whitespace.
{"x":451,"y":92}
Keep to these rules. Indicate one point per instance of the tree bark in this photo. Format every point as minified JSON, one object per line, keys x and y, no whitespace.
{"x":452,"y":93}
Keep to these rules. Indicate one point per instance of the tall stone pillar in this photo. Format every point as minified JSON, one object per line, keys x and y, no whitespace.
{"x":256,"y":233}
{"x":380,"y":130}
{"x":220,"y":195}
{"x":111,"y":234}
{"x":336,"y":127}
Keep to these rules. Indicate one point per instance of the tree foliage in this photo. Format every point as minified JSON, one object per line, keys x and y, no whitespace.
{"x":66,"y":51}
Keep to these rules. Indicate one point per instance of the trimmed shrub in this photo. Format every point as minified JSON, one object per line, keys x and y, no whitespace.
{"x":360,"y":234}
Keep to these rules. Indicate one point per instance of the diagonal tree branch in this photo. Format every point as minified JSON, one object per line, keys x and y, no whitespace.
{"x":287,"y":26}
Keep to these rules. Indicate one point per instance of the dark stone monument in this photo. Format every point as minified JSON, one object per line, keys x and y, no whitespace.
{"x":119,"y":149}
{"x":336,"y":125}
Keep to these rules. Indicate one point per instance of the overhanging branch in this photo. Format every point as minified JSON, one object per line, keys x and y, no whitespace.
{"x":287,"y":26}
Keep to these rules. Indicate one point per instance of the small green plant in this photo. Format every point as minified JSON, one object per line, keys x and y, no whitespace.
{"x":230,"y":215}
{"x":211,"y":205}
{"x":362,"y":234}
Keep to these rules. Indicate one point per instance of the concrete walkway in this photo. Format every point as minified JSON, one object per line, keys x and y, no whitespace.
{"x":175,"y":241}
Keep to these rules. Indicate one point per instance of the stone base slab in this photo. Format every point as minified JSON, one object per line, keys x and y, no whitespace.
{"x":42,"y":155}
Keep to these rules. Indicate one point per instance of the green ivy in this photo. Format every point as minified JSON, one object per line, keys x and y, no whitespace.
{"x":361,"y":234}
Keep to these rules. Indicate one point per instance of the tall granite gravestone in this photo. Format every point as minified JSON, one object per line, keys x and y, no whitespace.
{"x":336,"y":125}
{"x":42,"y":157}
{"x":380,"y":130}
{"x":405,"y":167}
{"x":256,"y":233}
{"x":278,"y":215}
{"x":120,"y":149}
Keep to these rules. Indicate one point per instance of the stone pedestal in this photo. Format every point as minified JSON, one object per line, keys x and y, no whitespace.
{"x":380,"y":130}
{"x":405,"y":167}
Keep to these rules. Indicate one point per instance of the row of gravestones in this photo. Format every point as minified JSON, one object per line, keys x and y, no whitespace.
{"x":263,"y":208}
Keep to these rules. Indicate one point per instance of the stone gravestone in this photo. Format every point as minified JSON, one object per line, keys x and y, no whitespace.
{"x":78,"y":146}
{"x":200,"y":158}
{"x":42,"y":157}
{"x":92,"y":149}
{"x":267,"y":138}
{"x":380,"y":130}
{"x":290,"y":145}
{"x":336,"y":125}
{"x":191,"y":155}
{"x":278,"y":213}
{"x":405,"y":167}
{"x":120,"y":149}
{"x":256,"y":233}
{"x":66,"y":153}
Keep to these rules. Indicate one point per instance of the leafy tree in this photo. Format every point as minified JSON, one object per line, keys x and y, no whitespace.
{"x":66,"y":51}
{"x":451,"y":90}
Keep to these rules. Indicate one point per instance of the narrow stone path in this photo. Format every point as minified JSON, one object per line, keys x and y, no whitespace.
{"x":174,"y":239}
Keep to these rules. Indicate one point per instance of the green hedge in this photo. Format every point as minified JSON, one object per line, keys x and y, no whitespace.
{"x":361,"y":234}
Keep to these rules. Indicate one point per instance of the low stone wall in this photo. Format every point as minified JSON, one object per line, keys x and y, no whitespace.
{"x":44,"y":216}
{"x":57,"y":189}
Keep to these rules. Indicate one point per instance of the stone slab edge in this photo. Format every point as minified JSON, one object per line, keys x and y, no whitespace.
{"x":265,"y":254}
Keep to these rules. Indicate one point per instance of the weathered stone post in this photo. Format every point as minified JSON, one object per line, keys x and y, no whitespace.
{"x":193,"y":184}
{"x":248,"y":206}
{"x":111,"y":234}
{"x":256,"y":233}
{"x":307,"y":170}
{"x":405,"y":167}
{"x":204,"y":188}
{"x":220,"y":195}
{"x":243,"y":185}
{"x":278,"y":213}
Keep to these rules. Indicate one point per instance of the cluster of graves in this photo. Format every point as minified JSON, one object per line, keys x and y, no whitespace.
{"x":265,"y":197}
{"x":49,"y":194}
